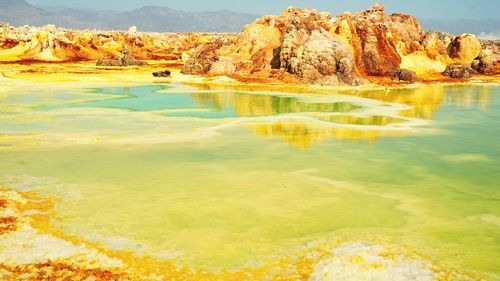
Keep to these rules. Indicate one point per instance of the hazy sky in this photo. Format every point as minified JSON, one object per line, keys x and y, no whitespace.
{"x":440,"y":9}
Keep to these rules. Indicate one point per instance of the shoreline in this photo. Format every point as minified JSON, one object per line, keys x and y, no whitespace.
{"x":28,"y":215}
{"x":87,"y":73}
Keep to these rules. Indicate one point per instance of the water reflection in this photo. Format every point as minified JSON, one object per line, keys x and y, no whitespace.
{"x":423,"y":103}
{"x":297,"y":117}
{"x":248,"y":105}
{"x":303,"y":135}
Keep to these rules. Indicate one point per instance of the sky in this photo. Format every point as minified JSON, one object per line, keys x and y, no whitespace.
{"x":430,"y":9}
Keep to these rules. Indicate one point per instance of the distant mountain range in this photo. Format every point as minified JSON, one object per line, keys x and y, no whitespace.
{"x":478,"y":27}
{"x":148,"y":18}
{"x":163,"y":19}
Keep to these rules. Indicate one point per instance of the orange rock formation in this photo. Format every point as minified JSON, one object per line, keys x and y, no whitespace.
{"x":50,"y":43}
{"x":309,"y":46}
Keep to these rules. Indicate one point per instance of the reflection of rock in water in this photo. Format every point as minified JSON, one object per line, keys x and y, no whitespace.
{"x":424,"y":101}
{"x":247,"y":105}
{"x":303,"y":135}
{"x":469,"y":96}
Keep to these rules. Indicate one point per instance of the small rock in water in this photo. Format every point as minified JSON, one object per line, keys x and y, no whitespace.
{"x":164,"y":73}
{"x":485,"y":63}
{"x":458,"y":71}
{"x":405,"y":75}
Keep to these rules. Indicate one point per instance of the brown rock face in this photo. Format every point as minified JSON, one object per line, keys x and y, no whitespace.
{"x":435,"y":43}
{"x":464,"y":48}
{"x":458,"y":71}
{"x":405,"y":75}
{"x":407,"y":30}
{"x":50,"y":43}
{"x":314,"y":55}
{"x":488,"y":60}
{"x":164,"y":73}
{"x":295,"y":45}
{"x":202,"y":58}
{"x":124,"y":59}
{"x":375,"y":37}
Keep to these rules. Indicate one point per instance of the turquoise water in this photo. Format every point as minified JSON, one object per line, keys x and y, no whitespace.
{"x":223,"y":178}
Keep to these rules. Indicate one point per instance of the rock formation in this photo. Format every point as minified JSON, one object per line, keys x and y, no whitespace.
{"x":487,"y":62}
{"x":313,"y":55}
{"x":405,"y":75}
{"x":465,"y":48}
{"x":202,"y":58}
{"x":458,"y":71}
{"x":296,"y":45}
{"x":310,"y":47}
{"x":436,"y":43}
{"x":50,"y":43}
{"x":124,"y":59}
{"x":376,"y":38}
{"x":164,"y":73}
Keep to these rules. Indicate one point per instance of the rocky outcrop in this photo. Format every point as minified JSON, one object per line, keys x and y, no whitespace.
{"x":50,"y":43}
{"x":295,"y":45}
{"x":458,"y":71}
{"x":464,"y":48}
{"x":436,"y":43}
{"x":310,"y":47}
{"x":314,"y":55}
{"x":405,"y":75}
{"x":484,"y":63}
{"x":124,"y":59}
{"x":488,"y":60}
{"x":202,"y":58}
{"x":376,"y":39}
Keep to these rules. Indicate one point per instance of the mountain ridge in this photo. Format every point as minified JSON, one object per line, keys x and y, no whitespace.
{"x":148,"y":18}
{"x":154,"y":18}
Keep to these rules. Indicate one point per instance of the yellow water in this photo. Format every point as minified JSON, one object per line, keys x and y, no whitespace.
{"x":223,"y":179}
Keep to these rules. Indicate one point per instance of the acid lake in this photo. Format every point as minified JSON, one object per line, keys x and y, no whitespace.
{"x":225,"y":178}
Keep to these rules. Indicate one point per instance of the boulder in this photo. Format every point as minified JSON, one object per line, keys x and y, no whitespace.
{"x":405,"y":75}
{"x":464,"y":48}
{"x":164,"y":73}
{"x":488,"y":60}
{"x":458,"y":71}
{"x":484,"y":63}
